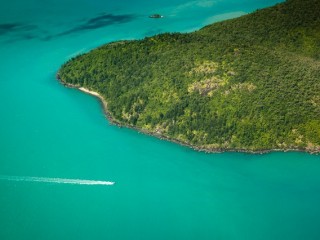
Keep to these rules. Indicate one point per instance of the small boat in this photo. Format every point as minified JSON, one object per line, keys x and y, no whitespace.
{"x":155,"y":16}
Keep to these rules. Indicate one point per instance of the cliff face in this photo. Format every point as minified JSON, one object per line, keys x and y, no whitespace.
{"x":250,"y":83}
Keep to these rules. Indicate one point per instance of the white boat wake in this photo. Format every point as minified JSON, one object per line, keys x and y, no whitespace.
{"x":54,"y":180}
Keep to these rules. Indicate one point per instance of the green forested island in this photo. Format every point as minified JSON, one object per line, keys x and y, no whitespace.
{"x":246,"y":84}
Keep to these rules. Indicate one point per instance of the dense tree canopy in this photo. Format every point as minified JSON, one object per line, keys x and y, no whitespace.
{"x":251,"y":83}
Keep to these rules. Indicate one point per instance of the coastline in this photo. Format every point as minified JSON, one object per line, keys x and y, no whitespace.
{"x":103,"y":101}
{"x":113,"y":121}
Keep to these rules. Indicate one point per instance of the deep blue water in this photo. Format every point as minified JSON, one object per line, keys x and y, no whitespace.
{"x":162,"y":190}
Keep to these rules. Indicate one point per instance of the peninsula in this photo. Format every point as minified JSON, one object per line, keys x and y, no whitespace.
{"x":247,"y":84}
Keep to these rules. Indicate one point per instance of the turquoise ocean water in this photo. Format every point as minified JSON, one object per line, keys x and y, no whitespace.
{"x":162,"y":190}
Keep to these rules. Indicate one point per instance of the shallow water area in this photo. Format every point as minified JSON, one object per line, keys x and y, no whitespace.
{"x":162,"y":190}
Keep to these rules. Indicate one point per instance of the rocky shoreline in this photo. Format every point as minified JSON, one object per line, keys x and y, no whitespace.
{"x":113,"y":121}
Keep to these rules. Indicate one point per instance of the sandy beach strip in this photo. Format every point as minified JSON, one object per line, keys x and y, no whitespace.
{"x":104,"y":102}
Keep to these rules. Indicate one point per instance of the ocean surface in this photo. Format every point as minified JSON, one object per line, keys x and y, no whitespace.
{"x":59,"y":156}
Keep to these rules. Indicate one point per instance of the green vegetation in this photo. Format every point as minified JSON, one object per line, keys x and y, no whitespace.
{"x":251,"y":83}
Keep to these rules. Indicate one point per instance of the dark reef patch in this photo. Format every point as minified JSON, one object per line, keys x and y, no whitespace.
{"x":13,"y":32}
{"x":100,"y":21}
{"x":7,"y":28}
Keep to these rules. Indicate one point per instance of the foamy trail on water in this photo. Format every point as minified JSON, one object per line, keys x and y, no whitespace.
{"x":54,"y":180}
